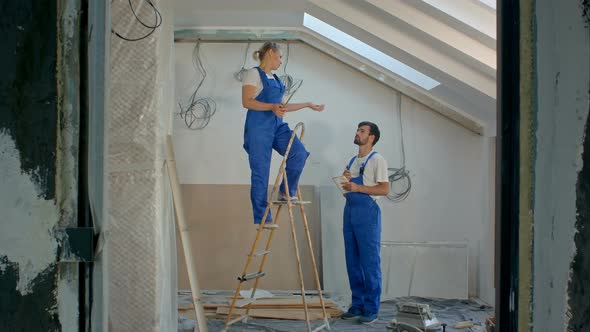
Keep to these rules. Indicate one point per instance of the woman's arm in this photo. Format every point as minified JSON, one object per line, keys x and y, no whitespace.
{"x":297,"y":107}
{"x":249,"y":102}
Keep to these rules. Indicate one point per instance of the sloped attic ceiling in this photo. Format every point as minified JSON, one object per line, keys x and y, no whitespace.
{"x":452,"y":42}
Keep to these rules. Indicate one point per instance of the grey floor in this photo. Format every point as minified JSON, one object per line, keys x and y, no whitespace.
{"x":447,"y":311}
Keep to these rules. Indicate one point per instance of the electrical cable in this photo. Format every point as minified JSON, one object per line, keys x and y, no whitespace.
{"x":294,"y":89}
{"x":153,"y":28}
{"x":198,"y":111}
{"x":239,"y":75}
{"x":400,"y":175}
{"x":288,"y":81}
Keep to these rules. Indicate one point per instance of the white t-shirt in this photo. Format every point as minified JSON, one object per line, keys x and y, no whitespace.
{"x":251,"y":77}
{"x":375,"y":169}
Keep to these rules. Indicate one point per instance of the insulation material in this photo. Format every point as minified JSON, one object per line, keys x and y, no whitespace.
{"x":141,"y":246}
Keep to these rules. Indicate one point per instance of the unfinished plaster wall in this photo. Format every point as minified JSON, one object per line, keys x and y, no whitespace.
{"x":38,"y":163}
{"x":563,"y":85}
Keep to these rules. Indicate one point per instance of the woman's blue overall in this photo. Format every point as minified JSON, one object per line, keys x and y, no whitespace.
{"x":362,"y":242}
{"x":263,"y":132}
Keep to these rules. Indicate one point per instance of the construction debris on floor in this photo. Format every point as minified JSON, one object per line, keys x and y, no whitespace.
{"x":284,"y":312}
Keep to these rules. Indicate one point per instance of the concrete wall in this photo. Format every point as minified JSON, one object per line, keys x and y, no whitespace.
{"x":560,"y":275}
{"x":449,"y":166}
{"x":38,"y":164}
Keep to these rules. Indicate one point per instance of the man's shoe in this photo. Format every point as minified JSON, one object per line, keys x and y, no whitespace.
{"x":352,"y":313}
{"x":368,"y":318}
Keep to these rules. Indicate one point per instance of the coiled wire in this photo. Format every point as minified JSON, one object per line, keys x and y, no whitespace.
{"x":239,"y":75}
{"x":198,"y":111}
{"x":401,"y":176}
{"x":157,"y":23}
{"x":288,"y":81}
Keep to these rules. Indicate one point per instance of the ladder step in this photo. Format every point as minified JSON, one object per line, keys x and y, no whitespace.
{"x":321,"y":327}
{"x":261,"y":252}
{"x":292,"y":202}
{"x":251,"y":276}
{"x":235,"y":320}
{"x":270,"y":226}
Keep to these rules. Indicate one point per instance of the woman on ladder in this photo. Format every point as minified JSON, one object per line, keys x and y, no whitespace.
{"x":264,"y":130}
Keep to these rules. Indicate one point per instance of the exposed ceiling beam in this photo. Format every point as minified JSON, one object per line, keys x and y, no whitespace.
{"x":471,"y":49}
{"x":322,"y":44}
{"x":390,"y":39}
{"x":472,"y":13}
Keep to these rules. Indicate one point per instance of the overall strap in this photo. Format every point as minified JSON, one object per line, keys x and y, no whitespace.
{"x":362,"y":170}
{"x":350,"y":163}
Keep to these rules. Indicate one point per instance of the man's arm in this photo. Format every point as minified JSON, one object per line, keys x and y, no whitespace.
{"x":380,"y":189}
{"x":380,"y":177}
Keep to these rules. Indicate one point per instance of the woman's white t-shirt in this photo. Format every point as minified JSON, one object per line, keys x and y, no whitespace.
{"x":251,"y":77}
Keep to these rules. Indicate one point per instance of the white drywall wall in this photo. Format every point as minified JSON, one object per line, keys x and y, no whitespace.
{"x":449,"y":165}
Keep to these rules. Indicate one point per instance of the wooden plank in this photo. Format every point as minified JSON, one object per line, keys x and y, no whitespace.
{"x":184,"y":236}
{"x":290,"y":314}
{"x":290,"y":301}
{"x":294,"y":302}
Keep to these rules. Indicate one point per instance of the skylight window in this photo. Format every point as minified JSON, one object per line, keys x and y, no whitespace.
{"x":369,"y":52}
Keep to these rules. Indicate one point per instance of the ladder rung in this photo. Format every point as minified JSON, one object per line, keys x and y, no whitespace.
{"x":235,"y":320}
{"x":251,"y":276}
{"x":270,"y":226}
{"x":321,"y":327}
{"x":292,"y":202}
{"x":261,"y":252}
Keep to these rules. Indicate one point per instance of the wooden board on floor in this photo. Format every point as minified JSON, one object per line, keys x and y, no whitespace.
{"x":291,"y":314}
{"x":278,"y":302}
{"x":285,"y":301}
{"x":283,"y":307}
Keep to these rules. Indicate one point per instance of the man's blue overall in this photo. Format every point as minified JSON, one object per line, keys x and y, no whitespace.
{"x":263,"y":132}
{"x":362,"y":242}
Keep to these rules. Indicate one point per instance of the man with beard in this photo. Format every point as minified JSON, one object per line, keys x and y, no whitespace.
{"x":367,"y":176}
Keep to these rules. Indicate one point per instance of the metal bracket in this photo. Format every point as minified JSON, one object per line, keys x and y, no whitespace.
{"x":75,"y":244}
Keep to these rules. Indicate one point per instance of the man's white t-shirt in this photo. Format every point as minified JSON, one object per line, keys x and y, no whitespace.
{"x":375,"y":170}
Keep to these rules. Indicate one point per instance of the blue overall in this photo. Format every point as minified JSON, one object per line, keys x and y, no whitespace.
{"x":362,"y":242}
{"x":263,"y":132}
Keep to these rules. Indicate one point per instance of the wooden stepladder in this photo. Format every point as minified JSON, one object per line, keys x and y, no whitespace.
{"x":263,"y":253}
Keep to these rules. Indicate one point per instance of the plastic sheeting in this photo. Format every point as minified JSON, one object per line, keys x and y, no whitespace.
{"x":140,"y":245}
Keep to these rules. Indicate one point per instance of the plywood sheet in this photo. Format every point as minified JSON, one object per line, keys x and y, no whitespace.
{"x":221,"y":230}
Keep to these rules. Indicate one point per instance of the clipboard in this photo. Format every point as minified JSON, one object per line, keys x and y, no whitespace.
{"x":339,"y":180}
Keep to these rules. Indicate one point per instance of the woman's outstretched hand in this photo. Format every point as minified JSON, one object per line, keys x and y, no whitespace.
{"x":317,"y":108}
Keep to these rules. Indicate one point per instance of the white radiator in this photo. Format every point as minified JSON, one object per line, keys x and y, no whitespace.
{"x":427,"y":269}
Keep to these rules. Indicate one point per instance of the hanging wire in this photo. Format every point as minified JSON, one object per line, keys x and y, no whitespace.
{"x":288,"y":81}
{"x":198,"y":111}
{"x":400,"y":176}
{"x":239,"y":75}
{"x":152,"y":28}
{"x":294,"y":89}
